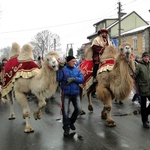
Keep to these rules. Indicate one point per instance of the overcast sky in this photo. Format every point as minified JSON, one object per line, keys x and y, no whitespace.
{"x":72,"y":20}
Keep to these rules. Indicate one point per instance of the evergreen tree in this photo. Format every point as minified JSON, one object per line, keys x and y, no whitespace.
{"x":70,"y":52}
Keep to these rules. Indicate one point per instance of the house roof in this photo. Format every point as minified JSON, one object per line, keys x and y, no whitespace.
{"x":125,"y":16}
{"x":94,"y":34}
{"x":116,"y":22}
{"x":104,"y":20}
{"x":136,"y":30}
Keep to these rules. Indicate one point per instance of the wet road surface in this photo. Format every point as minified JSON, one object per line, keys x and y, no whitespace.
{"x":91,"y":132}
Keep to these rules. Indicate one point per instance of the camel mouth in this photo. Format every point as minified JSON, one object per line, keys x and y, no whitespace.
{"x":53,"y":66}
{"x":127,"y":54}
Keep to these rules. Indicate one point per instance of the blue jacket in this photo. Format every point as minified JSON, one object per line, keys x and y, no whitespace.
{"x":70,"y":72}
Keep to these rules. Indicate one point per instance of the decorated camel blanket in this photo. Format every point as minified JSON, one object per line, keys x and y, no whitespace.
{"x":13,"y":70}
{"x":106,"y":65}
{"x":86,"y":68}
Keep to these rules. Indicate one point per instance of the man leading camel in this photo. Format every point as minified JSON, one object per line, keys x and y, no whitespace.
{"x":98,"y":46}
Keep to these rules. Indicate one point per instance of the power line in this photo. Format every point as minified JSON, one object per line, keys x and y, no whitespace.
{"x":59,"y":25}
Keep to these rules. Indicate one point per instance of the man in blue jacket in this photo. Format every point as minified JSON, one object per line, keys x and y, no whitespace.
{"x":70,"y":77}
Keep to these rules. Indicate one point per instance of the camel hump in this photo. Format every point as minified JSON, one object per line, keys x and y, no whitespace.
{"x":15,"y":50}
{"x":109,"y":52}
{"x":26,"y":53}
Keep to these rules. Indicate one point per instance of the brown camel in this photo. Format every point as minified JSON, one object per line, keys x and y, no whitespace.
{"x":117,"y":83}
{"x":114,"y":81}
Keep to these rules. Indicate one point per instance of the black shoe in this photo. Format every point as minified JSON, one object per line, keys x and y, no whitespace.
{"x":66,"y":133}
{"x":120,"y":102}
{"x":72,"y":127}
{"x":146,"y":125}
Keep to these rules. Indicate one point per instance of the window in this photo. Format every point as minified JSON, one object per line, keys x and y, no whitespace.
{"x":135,"y":42}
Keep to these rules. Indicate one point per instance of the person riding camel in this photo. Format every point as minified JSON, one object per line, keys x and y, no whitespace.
{"x":98,"y":46}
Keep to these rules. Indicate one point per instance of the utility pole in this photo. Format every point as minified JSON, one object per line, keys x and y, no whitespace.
{"x":54,"y":44}
{"x":119,"y":23}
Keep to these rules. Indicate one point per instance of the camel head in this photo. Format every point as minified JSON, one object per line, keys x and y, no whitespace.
{"x":51,"y":60}
{"x":126,"y":49}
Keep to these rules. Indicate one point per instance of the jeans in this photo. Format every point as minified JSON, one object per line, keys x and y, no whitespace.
{"x":65,"y":110}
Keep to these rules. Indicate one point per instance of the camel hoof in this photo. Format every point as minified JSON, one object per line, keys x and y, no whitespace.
{"x":90,"y":108}
{"x":12,"y":116}
{"x":28,"y":129}
{"x":110,"y":123}
{"x":82,"y":112}
{"x":37,"y":116}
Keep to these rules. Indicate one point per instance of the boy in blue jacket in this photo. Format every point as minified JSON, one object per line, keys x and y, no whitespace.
{"x":70,"y":77}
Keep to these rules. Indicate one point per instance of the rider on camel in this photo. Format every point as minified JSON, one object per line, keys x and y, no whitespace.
{"x":98,"y":46}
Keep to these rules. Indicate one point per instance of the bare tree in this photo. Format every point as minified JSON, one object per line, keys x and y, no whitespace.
{"x":5,"y":52}
{"x":44,"y":42}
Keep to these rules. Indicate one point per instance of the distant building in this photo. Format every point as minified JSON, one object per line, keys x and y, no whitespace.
{"x":134,"y":29}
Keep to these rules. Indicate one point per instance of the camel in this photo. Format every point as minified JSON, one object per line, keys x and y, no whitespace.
{"x":117,"y":83}
{"x":89,"y":85}
{"x":42,"y":84}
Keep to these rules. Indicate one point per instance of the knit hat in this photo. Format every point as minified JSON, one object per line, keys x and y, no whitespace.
{"x":4,"y":59}
{"x":70,"y":58}
{"x":26,"y":53}
{"x":15,"y":50}
{"x":145,"y":54}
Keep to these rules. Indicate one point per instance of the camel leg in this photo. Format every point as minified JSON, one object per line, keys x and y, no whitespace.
{"x":10,"y":97}
{"x":21,"y":98}
{"x":81,"y":97}
{"x":106,"y":113}
{"x":38,"y":111}
{"x":106,"y":97}
{"x":90,"y":105}
{"x":90,"y":91}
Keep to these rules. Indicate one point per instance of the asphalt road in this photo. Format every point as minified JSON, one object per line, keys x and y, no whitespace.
{"x":91,"y":132}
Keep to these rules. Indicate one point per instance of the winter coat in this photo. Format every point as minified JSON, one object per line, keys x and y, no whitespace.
{"x":70,"y":72}
{"x":143,"y":78}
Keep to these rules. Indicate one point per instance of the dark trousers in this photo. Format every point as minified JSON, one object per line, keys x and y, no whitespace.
{"x":67,"y":120}
{"x":136,"y":97}
{"x":95,"y":68}
{"x":145,"y":111}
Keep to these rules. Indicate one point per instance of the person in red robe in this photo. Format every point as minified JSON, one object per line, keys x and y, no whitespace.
{"x":98,"y":46}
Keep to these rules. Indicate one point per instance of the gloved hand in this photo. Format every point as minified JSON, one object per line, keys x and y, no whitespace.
{"x":69,"y":80}
{"x":61,"y":65}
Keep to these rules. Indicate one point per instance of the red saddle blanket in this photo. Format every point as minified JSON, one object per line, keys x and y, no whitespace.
{"x":14,"y":69}
{"x":86,"y":69}
{"x":106,"y":65}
